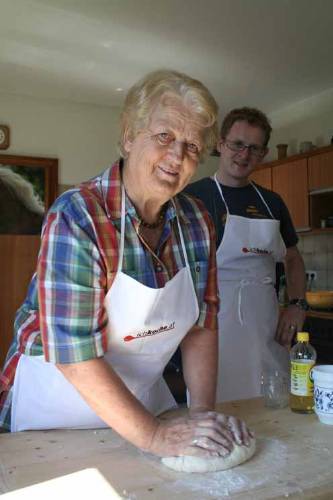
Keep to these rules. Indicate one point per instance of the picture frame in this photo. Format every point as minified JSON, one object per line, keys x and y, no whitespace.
{"x":28,"y":187}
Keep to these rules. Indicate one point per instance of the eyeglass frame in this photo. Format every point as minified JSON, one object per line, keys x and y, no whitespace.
{"x":243,"y":145}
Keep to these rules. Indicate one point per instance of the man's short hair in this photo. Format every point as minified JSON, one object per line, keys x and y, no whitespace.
{"x":252,"y":116}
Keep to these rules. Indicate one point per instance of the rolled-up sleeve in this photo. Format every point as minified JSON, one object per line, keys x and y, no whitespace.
{"x":209,"y":307}
{"x":71,"y":288}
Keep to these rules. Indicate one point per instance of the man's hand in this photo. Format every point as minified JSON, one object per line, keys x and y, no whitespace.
{"x":290,"y":322}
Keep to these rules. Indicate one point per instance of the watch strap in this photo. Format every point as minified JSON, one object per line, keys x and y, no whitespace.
{"x":301,"y":303}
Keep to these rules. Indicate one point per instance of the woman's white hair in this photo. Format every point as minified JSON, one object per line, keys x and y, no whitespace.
{"x":22,"y":189}
{"x":146,"y":93}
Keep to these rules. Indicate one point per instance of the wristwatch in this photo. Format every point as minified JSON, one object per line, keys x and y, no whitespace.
{"x":301,"y":303}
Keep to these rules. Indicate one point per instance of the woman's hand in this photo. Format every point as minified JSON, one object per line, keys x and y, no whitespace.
{"x":204,"y":434}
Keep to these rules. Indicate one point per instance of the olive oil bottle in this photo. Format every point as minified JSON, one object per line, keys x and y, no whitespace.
{"x":303,"y":357}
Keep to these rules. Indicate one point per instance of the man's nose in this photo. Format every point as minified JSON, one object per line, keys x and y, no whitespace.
{"x":245,"y":153}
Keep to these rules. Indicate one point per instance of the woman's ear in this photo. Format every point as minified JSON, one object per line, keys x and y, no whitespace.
{"x":127,"y":141}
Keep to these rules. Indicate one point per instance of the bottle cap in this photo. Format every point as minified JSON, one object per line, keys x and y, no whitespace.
{"x":302,"y":336}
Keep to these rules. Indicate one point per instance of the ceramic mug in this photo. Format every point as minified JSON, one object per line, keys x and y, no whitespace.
{"x":305,"y":146}
{"x":322,"y":376}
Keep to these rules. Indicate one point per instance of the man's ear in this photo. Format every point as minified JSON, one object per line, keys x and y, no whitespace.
{"x":219,"y":145}
{"x":265,"y":153}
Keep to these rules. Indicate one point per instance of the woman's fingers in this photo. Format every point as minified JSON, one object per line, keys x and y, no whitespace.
{"x":227,"y":429}
{"x":214,"y":448}
{"x":210,"y":434}
{"x":240,"y":433}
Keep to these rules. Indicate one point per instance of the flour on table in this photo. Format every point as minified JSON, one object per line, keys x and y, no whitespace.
{"x":238,"y":455}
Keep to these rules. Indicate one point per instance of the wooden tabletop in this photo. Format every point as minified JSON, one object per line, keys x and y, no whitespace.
{"x":294,"y":458}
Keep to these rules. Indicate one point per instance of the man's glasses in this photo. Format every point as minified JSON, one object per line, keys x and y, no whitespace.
{"x":239,"y":147}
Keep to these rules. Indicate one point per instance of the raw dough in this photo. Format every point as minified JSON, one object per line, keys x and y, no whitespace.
{"x":238,"y":455}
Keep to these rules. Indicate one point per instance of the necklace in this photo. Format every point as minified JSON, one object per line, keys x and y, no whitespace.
{"x":159,"y":221}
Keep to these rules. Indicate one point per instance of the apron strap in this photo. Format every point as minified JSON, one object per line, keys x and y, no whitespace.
{"x":122,"y":233}
{"x":221,"y":193}
{"x":181,"y":237}
{"x":262,"y":199}
{"x":122,"y":230}
{"x":254,"y":187}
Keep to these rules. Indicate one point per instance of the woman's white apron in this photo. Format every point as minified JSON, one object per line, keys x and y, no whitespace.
{"x":145,"y":327}
{"x":249,"y":311}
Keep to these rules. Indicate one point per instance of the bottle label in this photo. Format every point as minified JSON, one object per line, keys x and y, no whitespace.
{"x":301,"y":384}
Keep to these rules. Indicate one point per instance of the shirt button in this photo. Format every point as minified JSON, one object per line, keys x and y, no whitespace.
{"x":159,"y":269}
{"x":197,"y":269}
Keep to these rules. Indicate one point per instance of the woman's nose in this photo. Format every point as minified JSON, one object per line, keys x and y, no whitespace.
{"x":177,"y":149}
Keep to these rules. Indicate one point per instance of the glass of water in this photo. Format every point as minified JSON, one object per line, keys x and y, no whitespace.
{"x":275,"y":388}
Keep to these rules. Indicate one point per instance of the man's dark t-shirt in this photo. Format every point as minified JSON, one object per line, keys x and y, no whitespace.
{"x":243,"y":201}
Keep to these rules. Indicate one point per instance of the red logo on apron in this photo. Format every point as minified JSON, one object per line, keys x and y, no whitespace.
{"x":149,"y":333}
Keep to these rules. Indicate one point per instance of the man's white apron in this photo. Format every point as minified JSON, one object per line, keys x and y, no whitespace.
{"x":249,"y":310}
{"x":145,"y":326}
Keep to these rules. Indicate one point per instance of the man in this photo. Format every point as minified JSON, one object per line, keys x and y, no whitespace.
{"x":254,"y":232}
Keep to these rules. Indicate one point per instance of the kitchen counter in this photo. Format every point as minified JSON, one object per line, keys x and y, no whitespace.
{"x":294,"y":458}
{"x":316,"y":313}
{"x":320,"y":314}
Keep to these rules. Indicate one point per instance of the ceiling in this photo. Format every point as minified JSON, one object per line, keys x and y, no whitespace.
{"x":265,"y":53}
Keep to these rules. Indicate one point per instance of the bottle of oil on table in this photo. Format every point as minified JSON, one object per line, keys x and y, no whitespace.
{"x":303,"y":357}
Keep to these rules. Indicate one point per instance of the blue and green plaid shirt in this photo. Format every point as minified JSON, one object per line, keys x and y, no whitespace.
{"x":63,"y":316}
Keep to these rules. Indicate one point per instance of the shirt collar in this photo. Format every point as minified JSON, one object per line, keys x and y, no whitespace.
{"x":111,"y":184}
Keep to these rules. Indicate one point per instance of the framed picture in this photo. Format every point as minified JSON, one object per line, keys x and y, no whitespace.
{"x":28,"y":187}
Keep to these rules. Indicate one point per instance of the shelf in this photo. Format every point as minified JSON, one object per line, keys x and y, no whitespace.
{"x":318,"y":230}
{"x":320,"y":314}
{"x":314,"y":313}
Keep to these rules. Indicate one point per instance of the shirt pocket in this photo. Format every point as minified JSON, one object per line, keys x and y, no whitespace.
{"x":199,"y":273}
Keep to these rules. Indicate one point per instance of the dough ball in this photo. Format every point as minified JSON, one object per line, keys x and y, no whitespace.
{"x":238,"y":455}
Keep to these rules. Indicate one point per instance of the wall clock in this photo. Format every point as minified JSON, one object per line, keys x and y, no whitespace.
{"x":4,"y":137}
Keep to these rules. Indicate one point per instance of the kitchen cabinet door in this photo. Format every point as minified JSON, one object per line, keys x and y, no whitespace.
{"x":321,"y":171}
{"x":263,"y":177}
{"x":17,"y":265}
{"x":290,"y":181}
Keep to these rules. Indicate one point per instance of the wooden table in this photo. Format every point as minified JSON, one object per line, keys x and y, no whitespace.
{"x":294,"y":459}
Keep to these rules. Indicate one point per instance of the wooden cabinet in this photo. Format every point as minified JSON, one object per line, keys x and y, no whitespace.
{"x":17,"y":265}
{"x":294,"y":178}
{"x":290,"y":181}
{"x":263,"y":177}
{"x":321,"y":171}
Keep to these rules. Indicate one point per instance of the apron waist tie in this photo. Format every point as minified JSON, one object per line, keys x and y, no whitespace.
{"x":245,"y":282}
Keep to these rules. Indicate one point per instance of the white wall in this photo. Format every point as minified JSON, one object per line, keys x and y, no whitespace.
{"x":208,"y":167}
{"x":307,"y":120}
{"x":83,"y":137}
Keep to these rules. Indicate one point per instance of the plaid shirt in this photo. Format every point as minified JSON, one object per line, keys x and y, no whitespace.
{"x":63,"y":316}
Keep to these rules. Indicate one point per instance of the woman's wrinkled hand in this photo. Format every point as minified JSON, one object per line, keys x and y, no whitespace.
{"x":203,"y":434}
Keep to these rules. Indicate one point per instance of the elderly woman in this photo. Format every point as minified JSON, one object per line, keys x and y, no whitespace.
{"x":126,"y":273}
